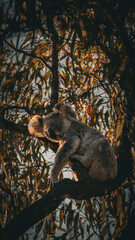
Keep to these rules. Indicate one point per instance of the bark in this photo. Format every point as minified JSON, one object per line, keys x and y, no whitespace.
{"x":8,"y":125}
{"x":54,"y":68}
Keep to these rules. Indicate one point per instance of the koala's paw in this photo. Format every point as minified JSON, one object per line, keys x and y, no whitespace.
{"x":76,"y":156}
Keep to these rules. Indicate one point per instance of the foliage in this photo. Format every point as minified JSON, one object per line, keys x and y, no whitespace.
{"x":94,"y":45}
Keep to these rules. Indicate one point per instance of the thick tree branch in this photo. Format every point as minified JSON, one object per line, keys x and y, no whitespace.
{"x":66,"y":188}
{"x":8,"y":125}
{"x":11,"y":126}
{"x":83,"y":189}
{"x":54,"y":37}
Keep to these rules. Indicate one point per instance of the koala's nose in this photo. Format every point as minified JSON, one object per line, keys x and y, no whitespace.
{"x":51,"y":133}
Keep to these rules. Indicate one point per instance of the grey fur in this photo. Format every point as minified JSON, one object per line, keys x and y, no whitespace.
{"x":76,"y":140}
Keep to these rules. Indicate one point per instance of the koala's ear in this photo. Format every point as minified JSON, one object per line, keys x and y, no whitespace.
{"x":65,"y":110}
{"x":57,"y":107}
{"x":35,"y":126}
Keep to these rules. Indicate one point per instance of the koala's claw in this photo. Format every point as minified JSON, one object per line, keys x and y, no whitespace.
{"x":52,"y":184}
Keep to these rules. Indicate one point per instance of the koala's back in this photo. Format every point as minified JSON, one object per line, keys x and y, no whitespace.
{"x":86,"y":134}
{"x":95,"y":152}
{"x":84,"y":131}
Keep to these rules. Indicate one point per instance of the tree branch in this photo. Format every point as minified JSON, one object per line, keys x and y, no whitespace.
{"x":11,"y":126}
{"x":83,"y":189}
{"x":29,"y":54}
{"x":43,"y":207}
{"x":54,"y":37}
{"x":115,"y":15}
{"x":7,"y":107}
{"x":8,"y":125}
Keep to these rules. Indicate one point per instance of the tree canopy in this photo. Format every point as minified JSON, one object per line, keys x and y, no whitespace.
{"x":80,"y":52}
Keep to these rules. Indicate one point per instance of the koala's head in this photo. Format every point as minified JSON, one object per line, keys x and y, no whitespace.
{"x":56,"y":123}
{"x":35,"y":126}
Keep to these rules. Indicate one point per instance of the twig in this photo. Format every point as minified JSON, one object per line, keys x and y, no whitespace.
{"x":7,"y":107}
{"x":29,"y":54}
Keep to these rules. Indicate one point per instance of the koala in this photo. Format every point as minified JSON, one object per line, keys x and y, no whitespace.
{"x":76,"y":141}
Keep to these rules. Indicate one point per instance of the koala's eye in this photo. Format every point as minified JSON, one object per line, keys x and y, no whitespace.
{"x":51,"y":133}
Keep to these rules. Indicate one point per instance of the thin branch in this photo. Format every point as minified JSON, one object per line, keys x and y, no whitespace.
{"x":104,"y":48}
{"x":122,"y":31}
{"x":29,"y":54}
{"x":8,"y":107}
{"x":88,"y":91}
{"x":6,"y":189}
